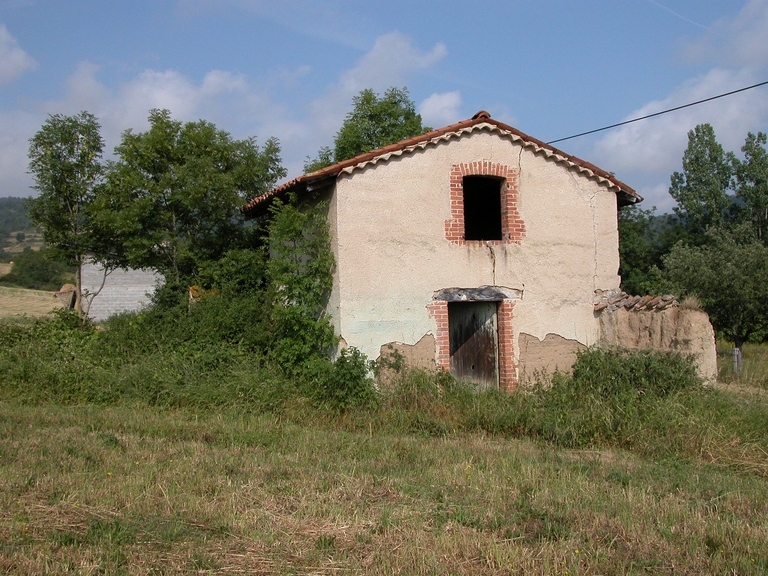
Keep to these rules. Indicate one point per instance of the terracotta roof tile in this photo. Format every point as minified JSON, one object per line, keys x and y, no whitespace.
{"x":615,"y":300}
{"x":480,"y":121}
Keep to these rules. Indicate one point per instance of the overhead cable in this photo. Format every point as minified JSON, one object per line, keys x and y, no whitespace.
{"x":660,"y":113}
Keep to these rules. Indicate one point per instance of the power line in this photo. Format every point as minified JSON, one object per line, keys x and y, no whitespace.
{"x":659,"y":113}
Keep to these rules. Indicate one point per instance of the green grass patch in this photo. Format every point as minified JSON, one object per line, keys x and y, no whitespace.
{"x":140,"y":489}
{"x":172,"y":441}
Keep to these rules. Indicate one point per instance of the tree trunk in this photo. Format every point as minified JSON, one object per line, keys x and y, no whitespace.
{"x":79,"y":287}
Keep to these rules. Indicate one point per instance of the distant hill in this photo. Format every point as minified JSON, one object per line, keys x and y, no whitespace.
{"x":13,"y":216}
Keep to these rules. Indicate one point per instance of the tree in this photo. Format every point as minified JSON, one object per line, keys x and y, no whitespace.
{"x":65,"y":160}
{"x":644,"y":238}
{"x":300,"y":273}
{"x":751,"y":183}
{"x":173,"y":196}
{"x":729,"y":275}
{"x":701,"y":188}
{"x":374,"y":122}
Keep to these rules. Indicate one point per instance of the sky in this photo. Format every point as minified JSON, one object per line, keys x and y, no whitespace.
{"x":289,"y":69}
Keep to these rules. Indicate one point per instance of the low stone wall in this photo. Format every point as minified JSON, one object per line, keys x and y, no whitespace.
{"x":674,"y":329}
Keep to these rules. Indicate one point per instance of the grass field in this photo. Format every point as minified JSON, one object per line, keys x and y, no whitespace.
{"x":254,"y":476}
{"x":19,"y":302}
{"x":33,"y":240}
{"x":137,"y":490}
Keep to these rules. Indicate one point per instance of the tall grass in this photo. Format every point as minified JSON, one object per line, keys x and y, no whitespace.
{"x":651,"y":403}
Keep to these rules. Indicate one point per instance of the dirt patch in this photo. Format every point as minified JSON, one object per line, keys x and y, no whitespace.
{"x":18,"y":301}
{"x":5,"y":267}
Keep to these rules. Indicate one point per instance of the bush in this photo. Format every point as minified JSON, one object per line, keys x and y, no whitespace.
{"x":611,"y":398}
{"x":348,"y":383}
{"x":36,"y":270}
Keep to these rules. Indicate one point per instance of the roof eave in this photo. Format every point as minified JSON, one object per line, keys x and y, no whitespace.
{"x":319,"y":178}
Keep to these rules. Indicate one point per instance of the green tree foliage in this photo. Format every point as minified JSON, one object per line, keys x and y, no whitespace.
{"x":723,"y":258}
{"x":751,"y":183}
{"x":13,"y":216}
{"x":65,"y":160}
{"x":701,"y":189}
{"x":644,"y":237}
{"x":173,"y":194}
{"x":299,"y":271}
{"x":729,"y":275}
{"x":375,"y":121}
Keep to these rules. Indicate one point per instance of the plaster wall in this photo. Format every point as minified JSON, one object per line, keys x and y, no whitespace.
{"x":388,"y":222}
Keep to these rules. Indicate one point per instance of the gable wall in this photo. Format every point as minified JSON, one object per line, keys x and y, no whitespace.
{"x":390,"y":223}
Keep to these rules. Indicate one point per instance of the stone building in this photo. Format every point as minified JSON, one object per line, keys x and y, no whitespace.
{"x":474,"y":247}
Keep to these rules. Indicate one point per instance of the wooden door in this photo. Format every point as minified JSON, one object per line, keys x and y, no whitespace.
{"x":474,"y":342}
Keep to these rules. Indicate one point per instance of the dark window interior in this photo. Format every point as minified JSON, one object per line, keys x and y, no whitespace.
{"x":482,"y":208}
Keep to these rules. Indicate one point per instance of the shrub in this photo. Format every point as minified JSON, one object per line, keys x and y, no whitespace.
{"x":345,"y":383}
{"x":35,"y":270}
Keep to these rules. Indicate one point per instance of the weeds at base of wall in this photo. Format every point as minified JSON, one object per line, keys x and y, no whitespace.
{"x":652,"y":403}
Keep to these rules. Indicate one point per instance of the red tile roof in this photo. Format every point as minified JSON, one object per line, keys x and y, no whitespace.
{"x":480,"y":121}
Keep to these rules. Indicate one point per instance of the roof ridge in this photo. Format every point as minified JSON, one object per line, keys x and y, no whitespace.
{"x":422,"y":140}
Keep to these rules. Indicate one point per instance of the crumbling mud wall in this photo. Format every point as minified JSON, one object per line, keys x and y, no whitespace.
{"x":659,"y":324}
{"x":396,"y":355}
{"x":539,"y":359}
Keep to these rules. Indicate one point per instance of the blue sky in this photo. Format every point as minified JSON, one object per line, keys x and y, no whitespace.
{"x":290,"y":68}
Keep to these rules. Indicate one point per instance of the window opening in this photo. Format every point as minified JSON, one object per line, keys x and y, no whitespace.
{"x":482,"y":207}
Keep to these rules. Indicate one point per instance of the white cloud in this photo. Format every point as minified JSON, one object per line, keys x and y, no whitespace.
{"x":13,"y":60}
{"x":740,"y":41}
{"x":657,"y":144}
{"x":441,"y":109}
{"x":648,"y":151}
{"x":391,"y":62}
{"x":221,"y":97}
{"x":231,"y":101}
{"x":16,"y":128}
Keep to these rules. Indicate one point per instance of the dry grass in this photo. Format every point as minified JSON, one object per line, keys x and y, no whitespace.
{"x":136,"y":490}
{"x":19,"y":301}
{"x":33,"y":241}
{"x":754,"y":373}
{"x":5,"y":267}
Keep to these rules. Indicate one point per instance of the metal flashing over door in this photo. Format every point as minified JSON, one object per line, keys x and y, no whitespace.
{"x":474,"y":342}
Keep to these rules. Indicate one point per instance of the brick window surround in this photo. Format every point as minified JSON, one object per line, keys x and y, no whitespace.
{"x":507,"y":366}
{"x":512,"y":225}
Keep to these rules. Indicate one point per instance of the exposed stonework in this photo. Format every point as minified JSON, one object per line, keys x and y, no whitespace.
{"x":674,"y":329}
{"x":540,"y":359}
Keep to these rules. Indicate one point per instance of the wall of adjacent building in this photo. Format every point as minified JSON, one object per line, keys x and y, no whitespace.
{"x":124,"y":290}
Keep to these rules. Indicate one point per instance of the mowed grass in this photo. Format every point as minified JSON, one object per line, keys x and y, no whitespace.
{"x":147,"y":490}
{"x":22,"y":302}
